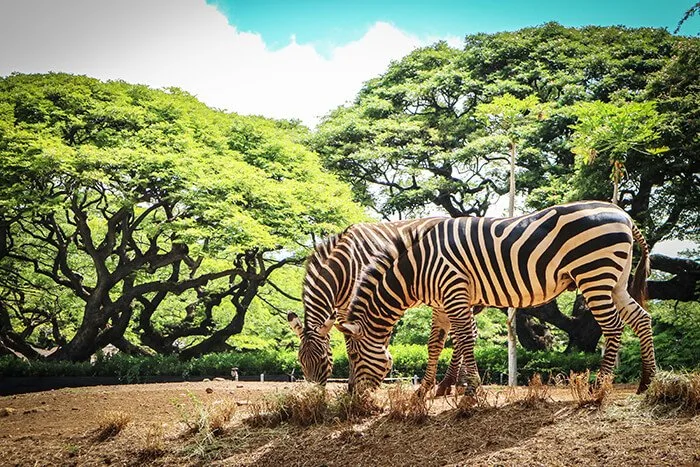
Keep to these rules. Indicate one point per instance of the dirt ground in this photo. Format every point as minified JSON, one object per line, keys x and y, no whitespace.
{"x":60,"y":427}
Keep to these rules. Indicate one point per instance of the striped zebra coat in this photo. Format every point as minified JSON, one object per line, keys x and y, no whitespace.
{"x":517,"y":262}
{"x":332,"y":271}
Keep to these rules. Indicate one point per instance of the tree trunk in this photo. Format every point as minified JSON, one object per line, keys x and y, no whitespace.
{"x":84,"y":342}
{"x":616,"y":183}
{"x":585,"y":332}
{"x":129,"y":348}
{"x":532,"y":334}
{"x":218,"y":339}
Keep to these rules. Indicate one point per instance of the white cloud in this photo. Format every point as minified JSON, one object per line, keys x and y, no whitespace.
{"x":189,"y":44}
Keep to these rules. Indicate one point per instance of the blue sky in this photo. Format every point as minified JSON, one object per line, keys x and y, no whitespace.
{"x":330,"y":23}
{"x":238,"y":56}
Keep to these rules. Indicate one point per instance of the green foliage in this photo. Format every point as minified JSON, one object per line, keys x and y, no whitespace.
{"x":615,"y":130}
{"x":147,"y":187}
{"x":429,"y":133}
{"x":413,"y":327}
{"x":133,"y":369}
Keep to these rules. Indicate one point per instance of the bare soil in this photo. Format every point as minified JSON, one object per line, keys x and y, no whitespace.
{"x":60,"y":427}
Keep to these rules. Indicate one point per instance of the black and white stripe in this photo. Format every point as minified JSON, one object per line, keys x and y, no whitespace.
{"x":511,"y":262}
{"x":332,"y":271}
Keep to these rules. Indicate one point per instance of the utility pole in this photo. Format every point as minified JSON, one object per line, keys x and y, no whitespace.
{"x":512,"y":353}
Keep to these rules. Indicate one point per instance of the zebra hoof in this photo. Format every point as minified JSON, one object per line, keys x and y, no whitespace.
{"x":443,"y":390}
{"x":420,"y":393}
{"x":644,"y":383}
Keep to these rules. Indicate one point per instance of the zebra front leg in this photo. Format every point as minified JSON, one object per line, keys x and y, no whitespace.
{"x":445,"y":386}
{"x":640,"y":322}
{"x":438,"y":333}
{"x":453,"y":371}
{"x":463,"y":335}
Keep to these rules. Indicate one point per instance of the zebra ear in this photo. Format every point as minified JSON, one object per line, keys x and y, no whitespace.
{"x":325,"y":328}
{"x":295,"y":323}
{"x":350,"y":329}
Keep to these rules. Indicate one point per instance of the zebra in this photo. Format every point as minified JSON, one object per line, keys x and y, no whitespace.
{"x":331,"y":273}
{"x":516,"y":262}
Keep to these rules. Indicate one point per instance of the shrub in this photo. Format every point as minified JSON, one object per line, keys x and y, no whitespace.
{"x":681,"y":390}
{"x":135,"y":369}
{"x":587,"y":395}
{"x":404,"y":405}
{"x":111,"y":424}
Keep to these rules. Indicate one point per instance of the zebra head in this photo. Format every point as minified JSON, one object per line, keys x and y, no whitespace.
{"x":315,"y":350}
{"x":369,"y":357}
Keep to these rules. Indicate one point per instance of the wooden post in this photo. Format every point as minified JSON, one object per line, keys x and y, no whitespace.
{"x":512,"y":342}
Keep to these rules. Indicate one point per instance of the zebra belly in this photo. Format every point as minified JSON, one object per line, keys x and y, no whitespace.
{"x":523,"y":299}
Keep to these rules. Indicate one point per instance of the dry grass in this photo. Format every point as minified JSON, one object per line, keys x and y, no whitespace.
{"x":355,"y":406}
{"x":153,"y":443}
{"x":303,"y":408}
{"x":206,"y":420}
{"x":405,"y":405}
{"x":111,"y":423}
{"x":676,"y":390}
{"x":311,"y":406}
{"x":586,"y":394}
{"x":470,"y":404}
{"x":537,"y":392}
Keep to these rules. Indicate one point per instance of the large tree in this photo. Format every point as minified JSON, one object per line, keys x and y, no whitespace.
{"x":412,"y":143}
{"x":156,"y":213}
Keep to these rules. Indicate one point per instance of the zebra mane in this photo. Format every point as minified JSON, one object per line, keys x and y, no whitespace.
{"x":322,"y":250}
{"x":381,"y":262}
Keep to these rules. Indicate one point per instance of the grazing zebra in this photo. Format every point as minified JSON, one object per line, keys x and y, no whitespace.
{"x":331,"y":274}
{"x":516,"y":262}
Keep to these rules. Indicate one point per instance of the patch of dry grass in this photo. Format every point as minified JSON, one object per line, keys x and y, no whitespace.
{"x":469,"y":404}
{"x":206,"y":420}
{"x":537,"y":392}
{"x":678,"y":390}
{"x":153,"y":442}
{"x":405,"y":405}
{"x":111,"y":423}
{"x":306,"y":407}
{"x":311,"y":406}
{"x":586,"y":394}
{"x":347,"y":406}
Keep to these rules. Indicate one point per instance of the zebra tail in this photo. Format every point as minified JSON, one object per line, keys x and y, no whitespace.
{"x":639,"y":282}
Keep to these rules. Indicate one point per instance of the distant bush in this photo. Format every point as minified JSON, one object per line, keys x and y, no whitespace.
{"x":409,"y":360}
{"x":133,"y":369}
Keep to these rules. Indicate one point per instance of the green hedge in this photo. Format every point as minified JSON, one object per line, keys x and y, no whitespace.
{"x":409,"y":360}
{"x":135,"y":369}
{"x":492,"y":361}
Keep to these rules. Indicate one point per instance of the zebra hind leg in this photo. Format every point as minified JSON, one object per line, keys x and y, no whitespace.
{"x":445,"y":386}
{"x":640,"y":322}
{"x":606,"y":314}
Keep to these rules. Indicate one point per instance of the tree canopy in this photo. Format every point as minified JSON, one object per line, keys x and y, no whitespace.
{"x":433,"y":132}
{"x":413,"y":142}
{"x":144,"y":219}
{"x":135,"y":204}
